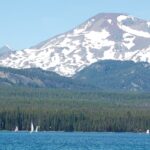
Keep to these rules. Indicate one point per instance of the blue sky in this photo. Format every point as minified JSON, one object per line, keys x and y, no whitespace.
{"x":24,"y":23}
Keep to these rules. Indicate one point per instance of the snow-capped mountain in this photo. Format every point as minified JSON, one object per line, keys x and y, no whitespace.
{"x":5,"y":51}
{"x":105,"y":36}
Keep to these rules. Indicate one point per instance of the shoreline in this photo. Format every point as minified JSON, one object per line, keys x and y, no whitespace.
{"x":26,"y":131}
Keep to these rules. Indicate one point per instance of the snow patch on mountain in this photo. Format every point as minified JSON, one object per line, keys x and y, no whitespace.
{"x":134,"y":32}
{"x":109,"y":21}
{"x":120,"y":18}
{"x":148,"y":23}
{"x":127,"y":29}
{"x":142,"y":55}
{"x":97,"y":36}
{"x":128,"y":40}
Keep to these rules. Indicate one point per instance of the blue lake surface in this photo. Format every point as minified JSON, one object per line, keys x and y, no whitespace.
{"x":73,"y":141}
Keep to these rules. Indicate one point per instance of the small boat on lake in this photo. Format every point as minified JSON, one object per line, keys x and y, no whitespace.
{"x":37,"y":127}
{"x":147,"y":131}
{"x":16,"y":129}
{"x":32,"y":127}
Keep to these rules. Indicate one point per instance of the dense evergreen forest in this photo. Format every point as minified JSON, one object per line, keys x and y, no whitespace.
{"x":64,"y":110}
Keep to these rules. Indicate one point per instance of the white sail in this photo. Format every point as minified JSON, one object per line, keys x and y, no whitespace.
{"x":37,"y":127}
{"x":147,"y":132}
{"x":16,"y":129}
{"x":32,"y":127}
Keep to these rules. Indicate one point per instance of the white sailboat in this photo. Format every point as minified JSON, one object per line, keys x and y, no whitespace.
{"x":37,"y":127}
{"x":32,"y":127}
{"x":147,"y":132}
{"x":16,"y":129}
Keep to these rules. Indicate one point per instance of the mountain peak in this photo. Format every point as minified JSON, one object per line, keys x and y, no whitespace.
{"x":111,"y":15}
{"x":5,"y":50}
{"x":6,"y":46}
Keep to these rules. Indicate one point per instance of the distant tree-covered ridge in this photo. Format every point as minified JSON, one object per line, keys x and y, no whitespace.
{"x":63,"y":110}
{"x":111,"y":75}
{"x":38,"y":78}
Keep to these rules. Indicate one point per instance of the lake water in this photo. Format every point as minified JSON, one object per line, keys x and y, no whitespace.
{"x":73,"y":141}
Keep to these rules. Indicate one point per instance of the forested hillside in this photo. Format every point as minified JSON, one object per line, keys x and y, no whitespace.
{"x":111,"y":75}
{"x":38,"y":78}
{"x":73,"y":111}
